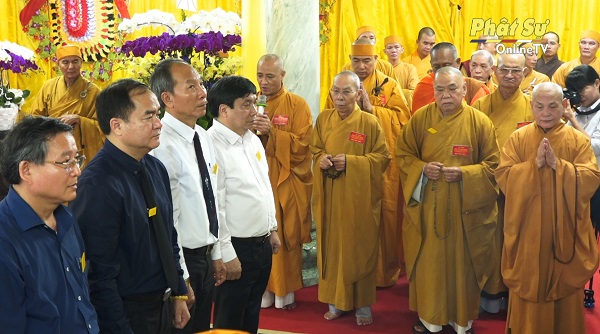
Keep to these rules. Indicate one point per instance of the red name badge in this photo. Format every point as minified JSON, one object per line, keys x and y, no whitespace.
{"x":522,"y":124}
{"x":383,"y":99}
{"x":357,"y":137}
{"x":280,"y":120}
{"x":460,"y":150}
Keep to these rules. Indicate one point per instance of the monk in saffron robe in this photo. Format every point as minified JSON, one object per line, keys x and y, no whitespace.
{"x":72,"y":99}
{"x":447,"y":153}
{"x":548,"y":173}
{"x":588,"y":47}
{"x":420,"y":58}
{"x":445,"y":54}
{"x":350,"y":157}
{"x":481,"y":67}
{"x":531,"y":76}
{"x":289,"y":159}
{"x":382,"y":66}
{"x":381,"y":96}
{"x":509,"y":109}
{"x":405,"y":74}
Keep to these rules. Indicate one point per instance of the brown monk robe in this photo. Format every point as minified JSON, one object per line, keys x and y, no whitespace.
{"x":548,"y":173}
{"x":350,"y":157}
{"x":509,"y":109}
{"x":382,"y":96}
{"x":289,"y":159}
{"x":447,"y":153}
{"x":72,"y":99}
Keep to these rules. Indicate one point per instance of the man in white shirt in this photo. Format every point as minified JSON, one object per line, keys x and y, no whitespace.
{"x":181,"y":93}
{"x":246,"y":204}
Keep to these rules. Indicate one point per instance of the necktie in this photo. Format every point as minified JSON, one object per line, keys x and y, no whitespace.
{"x":207,"y":191}
{"x":165,"y":248}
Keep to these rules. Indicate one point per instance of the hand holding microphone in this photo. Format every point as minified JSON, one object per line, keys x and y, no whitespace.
{"x":262,"y":120}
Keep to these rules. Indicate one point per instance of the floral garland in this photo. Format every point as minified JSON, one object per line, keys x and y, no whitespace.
{"x":324,"y":10}
{"x":89,"y":24}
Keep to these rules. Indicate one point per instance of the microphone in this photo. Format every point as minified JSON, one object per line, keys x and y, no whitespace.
{"x":261,"y":103}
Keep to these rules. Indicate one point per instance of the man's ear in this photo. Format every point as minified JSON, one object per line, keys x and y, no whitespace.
{"x":115,"y":125}
{"x":167,"y":99}
{"x":24,"y":171}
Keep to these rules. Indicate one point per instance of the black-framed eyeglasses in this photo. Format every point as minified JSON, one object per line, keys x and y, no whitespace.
{"x":69,"y":165}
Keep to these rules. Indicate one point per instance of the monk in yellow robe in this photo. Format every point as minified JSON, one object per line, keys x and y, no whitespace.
{"x":420,"y":58}
{"x":289,"y":159}
{"x":447,"y":154}
{"x":72,"y":99}
{"x":445,"y":54}
{"x":350,"y":157}
{"x":548,"y":173}
{"x":509,"y":109}
{"x":381,"y":96}
{"x":405,"y":74}
{"x":481,"y":67}
{"x":588,"y":47}
{"x":368,"y":32}
{"x":531,"y":76}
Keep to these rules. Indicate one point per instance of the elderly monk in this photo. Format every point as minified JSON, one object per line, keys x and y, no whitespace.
{"x":588,"y":47}
{"x":381,"y":96}
{"x":368,"y":33}
{"x":548,"y":173}
{"x":420,"y":58}
{"x":445,"y":54}
{"x":531,"y":77}
{"x":72,"y":99}
{"x":447,"y":153}
{"x":289,"y":160}
{"x":490,"y":47}
{"x":404,"y":73}
{"x":509,"y":109}
{"x":482,"y":68}
{"x":350,"y":157}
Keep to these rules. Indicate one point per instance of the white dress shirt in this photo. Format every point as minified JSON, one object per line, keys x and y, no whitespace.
{"x":591,"y":124}
{"x":176,"y":152}
{"x":246,"y":203}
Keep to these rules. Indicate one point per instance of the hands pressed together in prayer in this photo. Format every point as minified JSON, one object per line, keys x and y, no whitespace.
{"x":363,"y":100}
{"x":338,"y":162}
{"x":433,"y":170}
{"x":545,"y":155}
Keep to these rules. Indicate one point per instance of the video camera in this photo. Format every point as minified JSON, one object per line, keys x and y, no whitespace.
{"x":573,"y":96}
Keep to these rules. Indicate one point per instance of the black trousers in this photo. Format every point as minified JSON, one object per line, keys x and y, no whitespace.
{"x":200,"y":268}
{"x":149,"y":317}
{"x":237,"y":302}
{"x":595,"y":209}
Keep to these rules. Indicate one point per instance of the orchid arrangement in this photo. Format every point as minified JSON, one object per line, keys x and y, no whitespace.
{"x":203,"y":39}
{"x":16,"y":59}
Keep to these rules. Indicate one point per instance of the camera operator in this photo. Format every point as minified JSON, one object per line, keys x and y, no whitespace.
{"x":583,"y":88}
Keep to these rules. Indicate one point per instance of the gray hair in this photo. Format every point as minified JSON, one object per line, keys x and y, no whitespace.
{"x":488,"y":56}
{"x":552,"y":87}
{"x":353,"y":77}
{"x":28,"y":141}
{"x":162,"y":80}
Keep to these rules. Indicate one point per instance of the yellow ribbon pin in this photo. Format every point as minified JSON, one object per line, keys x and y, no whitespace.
{"x":83,"y":262}
{"x":215,"y":169}
{"x":432,"y":130}
{"x":152,"y":212}
{"x":258,"y":155}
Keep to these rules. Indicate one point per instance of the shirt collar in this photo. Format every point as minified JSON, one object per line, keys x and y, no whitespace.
{"x":179,"y":127}
{"x":127,"y":162}
{"x":27,"y":219}
{"x":590,"y":107}
{"x":229,"y":135}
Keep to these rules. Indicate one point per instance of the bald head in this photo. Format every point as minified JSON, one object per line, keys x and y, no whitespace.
{"x":426,"y":31}
{"x":547,"y":89}
{"x":547,"y":105}
{"x":425,"y":41}
{"x":517,"y":59}
{"x":364,"y":41}
{"x":270,"y":74}
{"x":352,"y":78}
{"x":271,"y":58}
{"x":509,"y":72}
{"x":449,"y":89}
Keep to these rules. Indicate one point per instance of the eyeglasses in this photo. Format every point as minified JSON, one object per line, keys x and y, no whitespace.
{"x":69,"y":166}
{"x":514,"y":71}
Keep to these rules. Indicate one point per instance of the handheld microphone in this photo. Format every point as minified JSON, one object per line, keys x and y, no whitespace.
{"x":261,"y":103}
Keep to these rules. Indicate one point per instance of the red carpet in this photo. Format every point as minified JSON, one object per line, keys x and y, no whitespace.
{"x":391,"y":315}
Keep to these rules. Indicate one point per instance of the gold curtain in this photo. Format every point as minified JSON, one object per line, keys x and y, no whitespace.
{"x":406,"y":18}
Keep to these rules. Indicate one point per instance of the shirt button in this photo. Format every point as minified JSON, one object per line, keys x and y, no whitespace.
{"x":90,"y":326}
{"x":78,"y":297}
{"x":68,"y":269}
